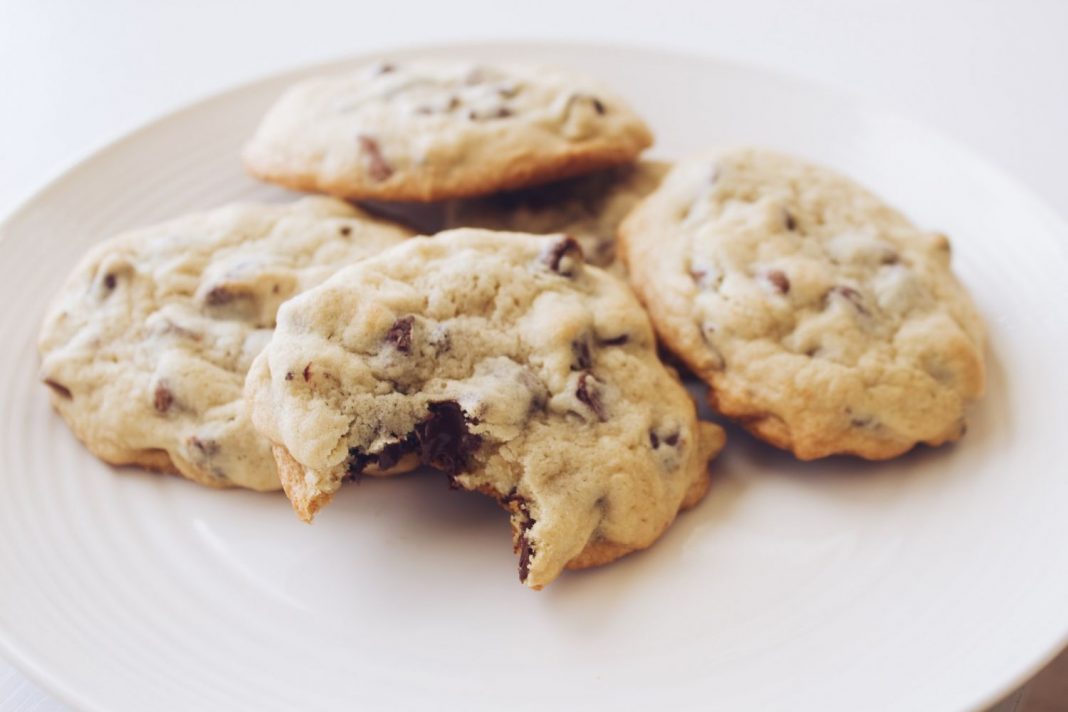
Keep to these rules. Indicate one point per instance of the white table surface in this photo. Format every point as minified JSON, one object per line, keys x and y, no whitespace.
{"x":994,"y":74}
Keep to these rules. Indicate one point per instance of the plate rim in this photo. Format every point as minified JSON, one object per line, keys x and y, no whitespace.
{"x":15,"y":650}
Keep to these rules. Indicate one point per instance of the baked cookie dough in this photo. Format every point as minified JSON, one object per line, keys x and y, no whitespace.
{"x":504,"y":361}
{"x":146,"y":347}
{"x":822,"y":319}
{"x":425,"y":130}
{"x":588,"y":208}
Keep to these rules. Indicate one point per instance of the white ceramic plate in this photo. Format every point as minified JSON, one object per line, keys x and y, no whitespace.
{"x":938,"y":581}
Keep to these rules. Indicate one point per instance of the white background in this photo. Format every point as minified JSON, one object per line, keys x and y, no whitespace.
{"x":76,"y":74}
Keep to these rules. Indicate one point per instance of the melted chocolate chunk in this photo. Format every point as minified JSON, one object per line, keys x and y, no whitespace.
{"x":588,"y":392}
{"x":580,"y":352}
{"x":779,"y":280}
{"x":389,"y":456}
{"x":672,"y":440}
{"x":357,"y":462}
{"x":377,"y":166}
{"x":110,"y":281}
{"x":444,"y":440}
{"x":307,"y":372}
{"x":616,"y":340}
{"x":393,"y":453}
{"x":563,"y":255}
{"x":163,"y":398}
{"x":400,"y":334}
{"x":59,"y":388}
{"x":654,"y":439}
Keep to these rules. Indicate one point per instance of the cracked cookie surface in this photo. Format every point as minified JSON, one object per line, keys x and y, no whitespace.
{"x":822,"y":319}
{"x":146,"y":347}
{"x":424,"y":130}
{"x":504,"y":361}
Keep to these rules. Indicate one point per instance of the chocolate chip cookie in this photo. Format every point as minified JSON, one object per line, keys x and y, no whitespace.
{"x":589,"y":208}
{"x":822,"y":319}
{"x":146,"y":347}
{"x":504,"y":361}
{"x":425,"y":130}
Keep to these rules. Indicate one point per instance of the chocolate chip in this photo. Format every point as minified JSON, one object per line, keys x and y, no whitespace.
{"x":452,"y":103}
{"x":889,"y":257}
{"x":162,"y":398}
{"x":502,"y":112}
{"x":779,"y":280}
{"x":307,"y":372}
{"x":206,"y":448}
{"x":377,"y":166}
{"x":671,"y":439}
{"x":588,"y":392}
{"x":616,"y":340}
{"x":444,"y":440}
{"x":217,"y":296}
{"x":59,"y":388}
{"x":580,"y":352}
{"x":345,"y":230}
{"x":526,"y":553}
{"x":289,"y":375}
{"x":400,"y":334}
{"x":852,"y":296}
{"x":596,"y":103}
{"x":563,"y":255}
{"x":110,"y":281}
{"x":789,"y":220}
{"x":706,"y":276}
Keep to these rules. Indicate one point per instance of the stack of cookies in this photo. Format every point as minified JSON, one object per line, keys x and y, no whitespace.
{"x":515,"y":350}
